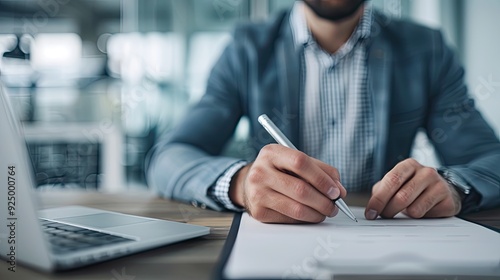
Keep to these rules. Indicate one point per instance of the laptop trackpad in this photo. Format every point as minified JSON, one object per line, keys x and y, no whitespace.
{"x":104,"y":220}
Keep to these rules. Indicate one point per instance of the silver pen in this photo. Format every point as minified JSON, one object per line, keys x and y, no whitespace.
{"x":276,"y":133}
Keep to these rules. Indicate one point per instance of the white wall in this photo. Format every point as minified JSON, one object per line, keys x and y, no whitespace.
{"x":481,"y":54}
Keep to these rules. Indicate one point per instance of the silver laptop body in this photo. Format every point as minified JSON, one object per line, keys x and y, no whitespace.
{"x":33,"y":238}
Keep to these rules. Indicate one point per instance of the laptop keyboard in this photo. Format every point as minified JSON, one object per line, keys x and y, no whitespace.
{"x":64,"y":238}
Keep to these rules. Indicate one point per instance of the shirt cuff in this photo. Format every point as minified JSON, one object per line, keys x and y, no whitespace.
{"x":220,"y":191}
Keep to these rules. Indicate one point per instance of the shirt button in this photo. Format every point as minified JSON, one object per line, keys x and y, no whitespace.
{"x":203,"y":206}
{"x":194,"y":203}
{"x":333,"y":121}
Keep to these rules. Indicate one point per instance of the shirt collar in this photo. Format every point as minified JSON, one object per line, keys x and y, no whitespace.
{"x":302,"y":34}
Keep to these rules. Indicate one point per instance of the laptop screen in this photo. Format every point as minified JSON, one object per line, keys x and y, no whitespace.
{"x":21,"y":238}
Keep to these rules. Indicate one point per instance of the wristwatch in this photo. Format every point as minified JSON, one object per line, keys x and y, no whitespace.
{"x":468,"y":195}
{"x":463,"y":188}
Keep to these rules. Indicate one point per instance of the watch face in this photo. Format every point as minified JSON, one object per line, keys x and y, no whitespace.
{"x":453,"y":179}
{"x":458,"y":182}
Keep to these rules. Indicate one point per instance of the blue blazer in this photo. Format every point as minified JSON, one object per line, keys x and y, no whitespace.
{"x":414,"y":78}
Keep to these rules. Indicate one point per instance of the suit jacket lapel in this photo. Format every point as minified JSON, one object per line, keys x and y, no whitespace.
{"x":290,"y":85}
{"x":379,"y":74}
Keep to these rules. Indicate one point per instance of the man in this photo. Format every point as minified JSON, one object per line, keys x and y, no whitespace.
{"x":350,"y":88}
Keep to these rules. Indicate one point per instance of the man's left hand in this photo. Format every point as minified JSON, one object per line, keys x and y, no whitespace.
{"x":417,"y":190}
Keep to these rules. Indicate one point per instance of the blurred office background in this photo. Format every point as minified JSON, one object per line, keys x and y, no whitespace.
{"x":96,"y":81}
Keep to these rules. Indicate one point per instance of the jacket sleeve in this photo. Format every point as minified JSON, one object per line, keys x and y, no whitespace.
{"x":463,"y":140}
{"x":186,"y":162}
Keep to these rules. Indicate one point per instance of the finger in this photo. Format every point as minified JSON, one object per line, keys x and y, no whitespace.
{"x":270,"y":179}
{"x":333,"y":173}
{"x":264,"y":183}
{"x":409,"y":192}
{"x":270,"y":216}
{"x":301,"y":165}
{"x":302,"y":192}
{"x":291,"y":208}
{"x":428,"y":199}
{"x":371,"y":214}
{"x":435,"y":202}
{"x":445,"y":208}
{"x":275,"y":217}
{"x":375,"y":187}
{"x":260,"y":200}
{"x":389,"y":185}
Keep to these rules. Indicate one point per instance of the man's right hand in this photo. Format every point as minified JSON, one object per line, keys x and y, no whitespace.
{"x":284,"y":185}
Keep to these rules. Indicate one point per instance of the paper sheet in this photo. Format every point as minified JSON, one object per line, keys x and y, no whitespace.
{"x":340,"y":246}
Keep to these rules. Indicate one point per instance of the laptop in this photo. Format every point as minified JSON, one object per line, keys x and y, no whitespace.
{"x":66,"y":237}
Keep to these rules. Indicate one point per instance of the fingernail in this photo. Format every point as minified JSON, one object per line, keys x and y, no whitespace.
{"x":333,"y":193}
{"x":334,"y":212}
{"x":339,"y":185}
{"x":371,"y":214}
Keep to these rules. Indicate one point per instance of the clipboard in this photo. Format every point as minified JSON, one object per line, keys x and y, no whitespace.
{"x":228,"y":247}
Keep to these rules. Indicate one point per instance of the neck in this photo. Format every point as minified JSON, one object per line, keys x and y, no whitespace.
{"x":331,"y":35}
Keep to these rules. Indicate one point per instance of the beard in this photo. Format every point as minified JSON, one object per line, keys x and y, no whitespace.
{"x":334,"y":10}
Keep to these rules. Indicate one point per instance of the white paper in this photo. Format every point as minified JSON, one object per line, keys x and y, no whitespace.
{"x":340,"y":246}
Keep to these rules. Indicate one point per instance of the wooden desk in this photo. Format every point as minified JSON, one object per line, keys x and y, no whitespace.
{"x":192,"y":259}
